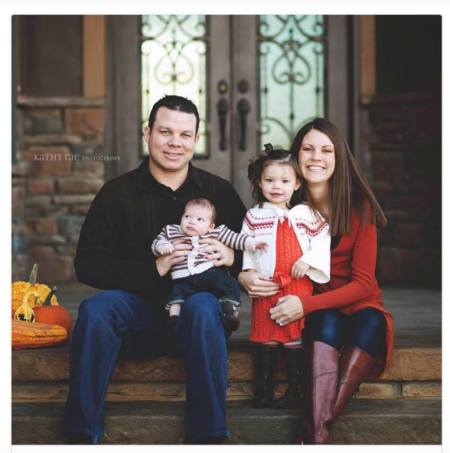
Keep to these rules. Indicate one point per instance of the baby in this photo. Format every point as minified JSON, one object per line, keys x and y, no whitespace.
{"x":197,"y":272}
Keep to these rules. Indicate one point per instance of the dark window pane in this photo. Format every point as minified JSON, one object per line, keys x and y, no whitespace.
{"x":408,"y":54}
{"x":51,"y":55}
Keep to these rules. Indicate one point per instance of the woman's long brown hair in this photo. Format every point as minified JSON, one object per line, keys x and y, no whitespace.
{"x":348,"y":186}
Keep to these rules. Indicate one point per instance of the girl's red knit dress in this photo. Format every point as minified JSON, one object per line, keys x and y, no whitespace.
{"x":288,"y":251}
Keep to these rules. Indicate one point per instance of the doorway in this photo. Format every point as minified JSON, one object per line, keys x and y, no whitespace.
{"x":255,"y":79}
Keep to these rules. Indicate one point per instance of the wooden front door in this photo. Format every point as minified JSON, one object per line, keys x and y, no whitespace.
{"x":255,"y":79}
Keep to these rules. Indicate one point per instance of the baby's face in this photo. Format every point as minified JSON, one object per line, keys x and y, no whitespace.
{"x":196,"y":221}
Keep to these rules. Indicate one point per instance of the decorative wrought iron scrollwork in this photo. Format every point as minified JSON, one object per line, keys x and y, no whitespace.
{"x":291,"y":50}
{"x":173,"y":57}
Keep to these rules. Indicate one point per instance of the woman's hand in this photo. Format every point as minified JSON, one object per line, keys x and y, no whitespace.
{"x":219,"y":253}
{"x":165,"y":262}
{"x":289,"y":308}
{"x":257,"y":285}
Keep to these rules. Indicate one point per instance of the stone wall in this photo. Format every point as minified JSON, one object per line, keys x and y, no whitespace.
{"x":59,"y":168}
{"x":19,"y":243}
{"x":404,"y":139}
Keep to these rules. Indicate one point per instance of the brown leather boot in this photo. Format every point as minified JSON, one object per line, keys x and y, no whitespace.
{"x":354,"y":367}
{"x":320,"y":392}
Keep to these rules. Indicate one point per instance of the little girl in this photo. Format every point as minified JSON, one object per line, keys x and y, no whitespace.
{"x":298,"y":251}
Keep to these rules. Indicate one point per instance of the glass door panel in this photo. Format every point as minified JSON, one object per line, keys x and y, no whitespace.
{"x":292,"y":74}
{"x":255,"y":79}
{"x":174,"y":61}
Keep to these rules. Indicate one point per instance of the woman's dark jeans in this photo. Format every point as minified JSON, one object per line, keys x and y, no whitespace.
{"x":365,"y":329}
{"x":112,"y":321}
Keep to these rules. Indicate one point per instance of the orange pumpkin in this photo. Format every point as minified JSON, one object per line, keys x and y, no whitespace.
{"x":36,"y":334}
{"x":53,"y":314}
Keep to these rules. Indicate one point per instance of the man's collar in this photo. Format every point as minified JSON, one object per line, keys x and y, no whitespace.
{"x":194,"y":175}
{"x":146,"y":177}
{"x":149,"y":180}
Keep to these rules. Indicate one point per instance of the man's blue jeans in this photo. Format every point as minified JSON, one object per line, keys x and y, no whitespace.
{"x":111,"y":321}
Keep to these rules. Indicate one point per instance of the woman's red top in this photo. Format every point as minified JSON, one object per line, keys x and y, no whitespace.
{"x":353,"y":285}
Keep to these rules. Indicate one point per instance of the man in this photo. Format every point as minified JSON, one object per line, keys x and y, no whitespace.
{"x":114,"y":254}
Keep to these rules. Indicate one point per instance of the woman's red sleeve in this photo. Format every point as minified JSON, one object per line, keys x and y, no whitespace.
{"x":362,"y":275}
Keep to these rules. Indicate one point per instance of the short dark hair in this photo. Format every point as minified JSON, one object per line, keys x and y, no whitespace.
{"x":177,"y":103}
{"x":204,"y":203}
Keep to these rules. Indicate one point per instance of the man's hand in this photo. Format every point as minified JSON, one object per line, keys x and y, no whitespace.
{"x":167,"y":249}
{"x":299,"y":269}
{"x":257,"y":285}
{"x":165,"y":262}
{"x":219,"y":253}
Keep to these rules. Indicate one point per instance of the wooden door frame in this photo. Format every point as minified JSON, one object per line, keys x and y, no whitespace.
{"x":218,"y":72}
{"x":123,"y":120}
{"x":244,"y":54}
{"x":337,"y":73}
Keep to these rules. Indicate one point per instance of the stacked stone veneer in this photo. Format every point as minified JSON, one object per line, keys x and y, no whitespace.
{"x":60,"y":165}
{"x":404,"y":139}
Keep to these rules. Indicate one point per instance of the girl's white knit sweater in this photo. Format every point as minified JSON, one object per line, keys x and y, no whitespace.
{"x":312,"y":232}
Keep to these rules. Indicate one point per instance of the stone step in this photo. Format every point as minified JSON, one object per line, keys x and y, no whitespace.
{"x":364,"y":422}
{"x":52,"y":364}
{"x":41,"y":375}
{"x":237,"y":391}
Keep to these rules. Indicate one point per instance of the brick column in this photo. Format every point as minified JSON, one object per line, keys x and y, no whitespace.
{"x":404,"y":138}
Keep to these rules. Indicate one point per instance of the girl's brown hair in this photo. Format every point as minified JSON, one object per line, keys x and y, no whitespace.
{"x":271,"y":156}
{"x":348,"y":186}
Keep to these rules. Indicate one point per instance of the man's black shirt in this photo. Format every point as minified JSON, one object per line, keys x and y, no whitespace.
{"x":128,"y":213}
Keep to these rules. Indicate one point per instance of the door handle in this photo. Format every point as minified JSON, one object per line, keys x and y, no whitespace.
{"x":243,"y":108}
{"x":222,"y":110}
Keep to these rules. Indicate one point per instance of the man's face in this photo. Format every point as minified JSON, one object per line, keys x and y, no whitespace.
{"x":196,"y":221}
{"x":171,"y":140}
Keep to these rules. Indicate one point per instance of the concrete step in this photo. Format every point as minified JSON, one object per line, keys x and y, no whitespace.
{"x":365,"y":422}
{"x":41,"y":375}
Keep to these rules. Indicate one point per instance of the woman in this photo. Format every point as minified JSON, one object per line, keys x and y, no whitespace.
{"x":348,"y":333}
